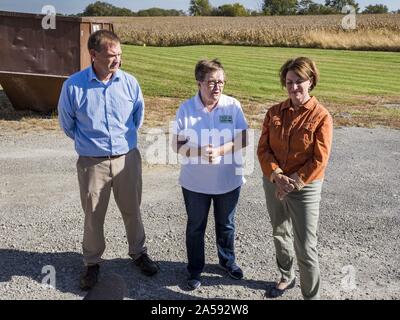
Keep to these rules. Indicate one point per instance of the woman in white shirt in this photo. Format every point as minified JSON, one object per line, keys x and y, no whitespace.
{"x":209,"y":133}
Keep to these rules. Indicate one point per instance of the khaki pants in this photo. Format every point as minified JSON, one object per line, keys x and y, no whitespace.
{"x":294,"y":221}
{"x":97,"y":176}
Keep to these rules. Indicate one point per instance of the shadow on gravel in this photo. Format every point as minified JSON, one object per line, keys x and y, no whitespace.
{"x":35,"y":265}
{"x":222,"y":278}
{"x":170,"y":282}
{"x":119,"y":278}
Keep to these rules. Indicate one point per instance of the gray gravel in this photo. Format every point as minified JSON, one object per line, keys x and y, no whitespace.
{"x":41,"y":224}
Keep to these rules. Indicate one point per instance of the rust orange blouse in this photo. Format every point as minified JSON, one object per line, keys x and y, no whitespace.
{"x":296,"y":141}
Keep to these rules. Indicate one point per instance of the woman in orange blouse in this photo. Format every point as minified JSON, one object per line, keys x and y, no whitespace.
{"x":293,"y":151}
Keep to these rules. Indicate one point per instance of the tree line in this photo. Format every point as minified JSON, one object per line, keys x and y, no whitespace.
{"x":268,"y":8}
{"x":100,"y":8}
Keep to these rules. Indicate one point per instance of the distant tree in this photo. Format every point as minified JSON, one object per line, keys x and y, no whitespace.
{"x":307,"y":7}
{"x":325,"y":10}
{"x":152,"y":12}
{"x":377,"y":8}
{"x":310,"y":7}
{"x":123,"y":12}
{"x":200,"y":8}
{"x":178,"y":12}
{"x":337,"y":5}
{"x":255,"y":13}
{"x":105,"y":9}
{"x":279,"y":7}
{"x":231,"y":10}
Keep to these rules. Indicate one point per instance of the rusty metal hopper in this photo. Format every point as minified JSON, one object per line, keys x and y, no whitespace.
{"x":34,"y":62}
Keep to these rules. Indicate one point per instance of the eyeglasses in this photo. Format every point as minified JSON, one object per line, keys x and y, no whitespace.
{"x":212,"y":84}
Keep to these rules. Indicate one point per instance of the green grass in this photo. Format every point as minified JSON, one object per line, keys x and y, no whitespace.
{"x":347,"y":77}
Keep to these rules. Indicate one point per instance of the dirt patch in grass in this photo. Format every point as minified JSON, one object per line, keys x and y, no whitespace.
{"x":160,"y":111}
{"x":378,"y":112}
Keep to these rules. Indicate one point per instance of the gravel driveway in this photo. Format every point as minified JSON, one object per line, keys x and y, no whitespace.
{"x":41,"y":225}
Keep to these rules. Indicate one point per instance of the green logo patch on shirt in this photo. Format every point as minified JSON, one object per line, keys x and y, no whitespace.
{"x":225,"y":119}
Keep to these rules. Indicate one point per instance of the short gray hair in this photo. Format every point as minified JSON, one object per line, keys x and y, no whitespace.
{"x":203,"y":67}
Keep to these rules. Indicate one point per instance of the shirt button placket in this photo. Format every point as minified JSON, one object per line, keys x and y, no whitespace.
{"x":108,"y":116}
{"x":211,"y":125}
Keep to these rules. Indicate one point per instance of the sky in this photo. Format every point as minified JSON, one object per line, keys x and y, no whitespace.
{"x":76,"y":6}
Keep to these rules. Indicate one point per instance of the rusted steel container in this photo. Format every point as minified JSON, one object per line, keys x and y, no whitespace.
{"x":34,"y":62}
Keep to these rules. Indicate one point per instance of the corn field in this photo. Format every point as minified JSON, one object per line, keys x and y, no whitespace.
{"x":373,"y":32}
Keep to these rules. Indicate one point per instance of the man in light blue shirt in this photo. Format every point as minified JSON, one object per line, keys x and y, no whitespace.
{"x":101,"y":108}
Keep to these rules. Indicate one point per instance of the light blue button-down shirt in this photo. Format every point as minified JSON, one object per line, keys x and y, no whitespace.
{"x":102,"y":119}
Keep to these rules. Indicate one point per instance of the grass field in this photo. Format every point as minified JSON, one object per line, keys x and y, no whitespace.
{"x":358,"y":87}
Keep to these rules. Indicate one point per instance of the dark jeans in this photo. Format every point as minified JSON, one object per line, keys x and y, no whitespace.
{"x":197,"y":208}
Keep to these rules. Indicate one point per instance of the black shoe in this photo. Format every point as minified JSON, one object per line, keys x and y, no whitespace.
{"x":193,"y":282}
{"x":274,"y":292}
{"x":89,"y":277}
{"x":146,"y":265}
{"x":233,"y":271}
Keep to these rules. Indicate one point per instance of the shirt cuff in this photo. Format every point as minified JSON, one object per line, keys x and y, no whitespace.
{"x":276,"y":171}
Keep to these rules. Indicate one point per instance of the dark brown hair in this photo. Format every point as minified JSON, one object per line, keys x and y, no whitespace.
{"x":304,"y":67}
{"x":100,"y":37}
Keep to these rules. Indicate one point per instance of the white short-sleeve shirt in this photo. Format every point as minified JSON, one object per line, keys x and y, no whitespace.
{"x":201,"y":127}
